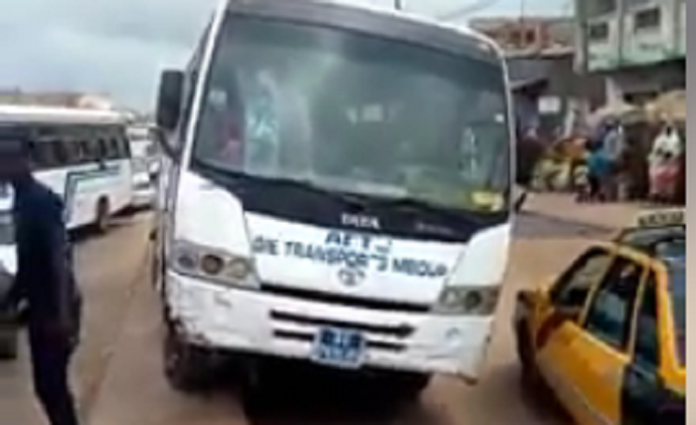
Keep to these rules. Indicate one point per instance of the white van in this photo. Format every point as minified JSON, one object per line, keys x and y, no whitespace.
{"x":82,"y":155}
{"x":145,"y":165}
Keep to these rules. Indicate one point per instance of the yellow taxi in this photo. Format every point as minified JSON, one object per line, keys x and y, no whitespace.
{"x":608,"y":336}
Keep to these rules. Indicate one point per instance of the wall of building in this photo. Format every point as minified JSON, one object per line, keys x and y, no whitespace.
{"x":528,"y":33}
{"x":629,"y":33}
{"x":565,"y":94}
{"x":641,"y":84}
{"x":638,"y":45}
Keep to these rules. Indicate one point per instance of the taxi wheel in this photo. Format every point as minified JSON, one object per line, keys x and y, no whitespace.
{"x":184,"y":364}
{"x":8,"y":347}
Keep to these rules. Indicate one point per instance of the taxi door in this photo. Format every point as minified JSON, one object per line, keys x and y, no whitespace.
{"x":597,"y":351}
{"x":558,"y":325}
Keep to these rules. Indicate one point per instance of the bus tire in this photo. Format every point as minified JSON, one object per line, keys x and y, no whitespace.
{"x":184,"y":364}
{"x":103,"y":215}
{"x":409,"y":386}
{"x":9,"y":347}
{"x":256,"y":393}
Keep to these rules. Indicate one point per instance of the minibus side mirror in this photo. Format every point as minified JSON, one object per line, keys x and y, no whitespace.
{"x":169,"y":99}
{"x":169,"y":110}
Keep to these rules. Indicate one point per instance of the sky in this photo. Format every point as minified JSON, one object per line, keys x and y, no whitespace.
{"x":118,"y":47}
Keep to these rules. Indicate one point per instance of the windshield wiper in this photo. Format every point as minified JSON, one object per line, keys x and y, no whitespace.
{"x":420,"y":205}
{"x":351,"y":198}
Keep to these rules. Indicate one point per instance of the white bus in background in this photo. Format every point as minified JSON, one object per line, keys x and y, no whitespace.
{"x":349,"y":207}
{"x":145,"y":164}
{"x":82,"y":155}
{"x":8,"y":268}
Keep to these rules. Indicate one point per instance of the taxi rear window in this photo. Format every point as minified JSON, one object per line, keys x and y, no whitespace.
{"x":674,"y":254}
{"x":678,"y":279}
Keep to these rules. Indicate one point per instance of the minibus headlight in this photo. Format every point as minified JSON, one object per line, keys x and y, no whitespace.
{"x":468,"y":300}
{"x":211,"y":264}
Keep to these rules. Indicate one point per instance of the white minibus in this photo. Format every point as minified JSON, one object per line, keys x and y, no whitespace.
{"x":337,"y":190}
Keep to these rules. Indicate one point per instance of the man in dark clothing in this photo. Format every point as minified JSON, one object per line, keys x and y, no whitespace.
{"x":44,"y":281}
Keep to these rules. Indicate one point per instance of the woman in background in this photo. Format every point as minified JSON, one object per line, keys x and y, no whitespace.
{"x":598,"y":171}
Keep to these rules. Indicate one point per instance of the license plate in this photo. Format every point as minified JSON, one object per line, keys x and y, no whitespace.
{"x":341,"y":348}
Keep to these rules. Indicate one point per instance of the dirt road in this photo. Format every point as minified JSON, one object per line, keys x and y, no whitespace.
{"x":119,"y":374}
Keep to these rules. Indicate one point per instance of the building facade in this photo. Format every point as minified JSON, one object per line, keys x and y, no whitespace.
{"x":639,"y":45}
{"x":528,"y":33}
{"x":549,"y":92}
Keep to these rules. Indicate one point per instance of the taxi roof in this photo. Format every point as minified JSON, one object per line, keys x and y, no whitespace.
{"x":654,"y":228}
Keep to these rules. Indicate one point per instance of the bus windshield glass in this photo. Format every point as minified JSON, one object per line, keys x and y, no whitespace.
{"x":355,"y":113}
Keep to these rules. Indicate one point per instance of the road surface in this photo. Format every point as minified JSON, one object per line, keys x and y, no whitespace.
{"x":118,"y":371}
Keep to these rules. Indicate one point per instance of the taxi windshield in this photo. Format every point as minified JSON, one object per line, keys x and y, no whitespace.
{"x":355,"y":113}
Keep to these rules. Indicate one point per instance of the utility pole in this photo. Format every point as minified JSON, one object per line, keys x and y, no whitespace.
{"x":582,"y":65}
{"x":582,"y":36}
{"x":398,"y":5}
{"x":523,"y":24}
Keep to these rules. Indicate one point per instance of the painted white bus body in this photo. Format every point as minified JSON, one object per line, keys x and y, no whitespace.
{"x":83,"y":184}
{"x":8,"y":255}
{"x":301,"y":278}
{"x":269,"y":322}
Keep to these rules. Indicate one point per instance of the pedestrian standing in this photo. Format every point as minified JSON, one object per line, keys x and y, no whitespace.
{"x":613,"y":145}
{"x":664,"y":163}
{"x":44,"y":281}
{"x":598,"y":171}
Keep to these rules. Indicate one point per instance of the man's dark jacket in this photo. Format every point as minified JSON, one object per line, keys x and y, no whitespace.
{"x":45,"y":276}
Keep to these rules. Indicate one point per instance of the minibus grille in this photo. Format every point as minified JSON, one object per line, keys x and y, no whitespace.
{"x":345,"y":300}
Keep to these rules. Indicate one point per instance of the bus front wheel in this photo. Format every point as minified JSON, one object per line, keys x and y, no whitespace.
{"x":185,"y":365}
{"x":409,"y":386}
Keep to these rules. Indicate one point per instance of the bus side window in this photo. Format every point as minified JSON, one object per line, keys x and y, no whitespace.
{"x":42,"y":155}
{"x":73,"y":152}
{"x":60,"y":153}
{"x":103,"y":149}
{"x":113,"y":148}
{"x":83,"y":155}
{"x":92,"y":150}
{"x":126,"y":147}
{"x":122,"y":148}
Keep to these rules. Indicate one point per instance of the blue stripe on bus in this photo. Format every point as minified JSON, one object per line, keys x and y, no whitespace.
{"x":73,"y":180}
